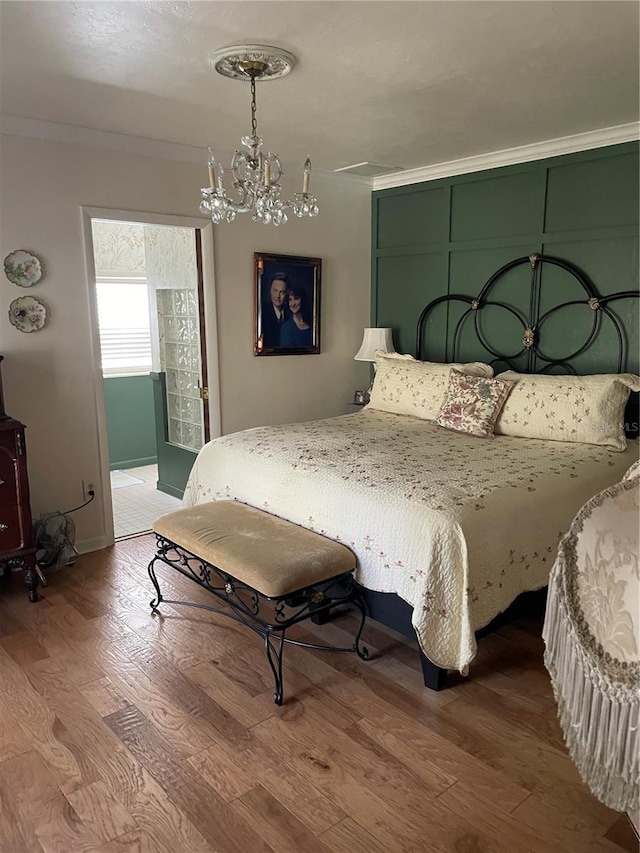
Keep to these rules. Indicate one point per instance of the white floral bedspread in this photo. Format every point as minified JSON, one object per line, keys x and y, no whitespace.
{"x":457,"y":526}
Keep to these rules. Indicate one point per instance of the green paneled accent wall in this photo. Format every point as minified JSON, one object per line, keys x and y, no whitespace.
{"x":450,"y":235}
{"x":599,"y":193}
{"x":131,"y":428}
{"x":404,"y":220}
{"x":521,"y":201}
{"x":407,"y":275}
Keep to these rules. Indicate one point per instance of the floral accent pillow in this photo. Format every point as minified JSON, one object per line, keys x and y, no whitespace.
{"x":472,"y":403}
{"x":405,"y":386}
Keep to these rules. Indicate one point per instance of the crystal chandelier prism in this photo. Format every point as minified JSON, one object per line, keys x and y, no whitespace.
{"x":255,"y":174}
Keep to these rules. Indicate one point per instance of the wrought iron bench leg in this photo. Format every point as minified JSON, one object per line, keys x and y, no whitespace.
{"x":154,"y":580}
{"x":361,"y":651}
{"x":274,"y":656}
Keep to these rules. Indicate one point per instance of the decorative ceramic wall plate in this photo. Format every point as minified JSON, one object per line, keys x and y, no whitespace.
{"x":27,"y":314}
{"x":23,"y":268}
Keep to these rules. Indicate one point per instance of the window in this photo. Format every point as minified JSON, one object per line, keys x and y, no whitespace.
{"x":125,"y":329}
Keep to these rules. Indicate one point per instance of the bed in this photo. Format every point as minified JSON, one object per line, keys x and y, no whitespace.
{"x":446,"y":527}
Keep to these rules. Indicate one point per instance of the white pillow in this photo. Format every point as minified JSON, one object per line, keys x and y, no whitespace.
{"x":634,"y":471}
{"x":405,"y":386}
{"x":584,"y":409}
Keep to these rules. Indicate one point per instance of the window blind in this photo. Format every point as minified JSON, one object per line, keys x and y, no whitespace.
{"x":125,"y":329}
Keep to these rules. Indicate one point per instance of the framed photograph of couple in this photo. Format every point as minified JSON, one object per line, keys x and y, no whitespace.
{"x":287,"y":305}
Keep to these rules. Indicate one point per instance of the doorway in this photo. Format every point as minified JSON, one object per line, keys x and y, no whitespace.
{"x":148,"y":289}
{"x":136,"y":501}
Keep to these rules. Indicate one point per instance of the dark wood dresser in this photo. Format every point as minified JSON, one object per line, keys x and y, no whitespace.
{"x":17,"y":548}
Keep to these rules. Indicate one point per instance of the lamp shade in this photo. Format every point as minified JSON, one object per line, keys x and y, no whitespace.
{"x":374,"y":340}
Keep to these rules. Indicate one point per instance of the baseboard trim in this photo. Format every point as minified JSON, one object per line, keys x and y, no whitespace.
{"x":133,"y":463}
{"x":170,"y":490}
{"x":86,"y":546}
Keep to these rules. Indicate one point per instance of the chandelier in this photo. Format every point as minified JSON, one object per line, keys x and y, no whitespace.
{"x":255,"y":174}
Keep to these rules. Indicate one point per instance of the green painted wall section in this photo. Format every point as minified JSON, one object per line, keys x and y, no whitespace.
{"x":137,"y":430}
{"x":174,"y":463}
{"x":131,"y":426}
{"x":450,"y":235}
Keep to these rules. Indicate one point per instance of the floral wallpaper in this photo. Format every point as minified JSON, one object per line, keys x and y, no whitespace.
{"x":166,"y":254}
{"x":118,"y":247}
{"x":171,"y":257}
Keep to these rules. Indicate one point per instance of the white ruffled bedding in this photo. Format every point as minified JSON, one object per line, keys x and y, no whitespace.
{"x":455,"y":525}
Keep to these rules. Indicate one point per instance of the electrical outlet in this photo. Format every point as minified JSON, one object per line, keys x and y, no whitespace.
{"x":87,"y":490}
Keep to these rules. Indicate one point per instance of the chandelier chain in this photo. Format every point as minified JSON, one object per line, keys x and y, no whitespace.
{"x":254,"y":120}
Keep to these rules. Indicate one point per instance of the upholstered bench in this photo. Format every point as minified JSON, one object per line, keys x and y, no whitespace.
{"x":270,"y":573}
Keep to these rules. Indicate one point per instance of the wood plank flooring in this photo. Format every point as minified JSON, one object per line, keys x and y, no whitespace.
{"x":121,"y":732}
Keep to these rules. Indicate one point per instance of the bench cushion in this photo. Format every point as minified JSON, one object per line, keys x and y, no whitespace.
{"x":267,"y":553}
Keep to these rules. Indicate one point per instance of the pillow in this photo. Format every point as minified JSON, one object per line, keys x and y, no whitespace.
{"x":405,"y":386}
{"x":584,"y":409}
{"x":634,"y":471}
{"x":472,"y":403}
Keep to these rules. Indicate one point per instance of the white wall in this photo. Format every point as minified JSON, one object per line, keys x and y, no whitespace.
{"x":49,"y":376}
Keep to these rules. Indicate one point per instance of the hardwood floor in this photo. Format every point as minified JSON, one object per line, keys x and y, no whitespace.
{"x":126,"y":733}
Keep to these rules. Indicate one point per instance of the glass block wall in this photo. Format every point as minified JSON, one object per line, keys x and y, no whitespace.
{"x":179,"y":333}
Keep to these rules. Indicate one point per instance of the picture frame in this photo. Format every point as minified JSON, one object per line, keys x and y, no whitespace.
{"x":286,"y":304}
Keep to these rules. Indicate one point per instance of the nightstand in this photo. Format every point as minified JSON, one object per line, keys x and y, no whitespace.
{"x":17,"y":548}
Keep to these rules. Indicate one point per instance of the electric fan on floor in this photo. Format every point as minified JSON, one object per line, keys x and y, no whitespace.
{"x":55,"y":538}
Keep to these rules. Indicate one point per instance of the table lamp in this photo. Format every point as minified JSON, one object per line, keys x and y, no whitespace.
{"x":374,"y":340}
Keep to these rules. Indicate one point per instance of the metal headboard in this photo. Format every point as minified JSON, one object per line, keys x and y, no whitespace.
{"x":531,"y":325}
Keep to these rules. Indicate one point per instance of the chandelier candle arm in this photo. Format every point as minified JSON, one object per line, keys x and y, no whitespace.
{"x":306,"y":176}
{"x":211,"y":165}
{"x":219,"y":171}
{"x":255,"y":175}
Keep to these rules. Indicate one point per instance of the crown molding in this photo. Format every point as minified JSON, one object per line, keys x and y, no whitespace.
{"x":105,"y":139}
{"x":54,"y":131}
{"x":523,"y":154}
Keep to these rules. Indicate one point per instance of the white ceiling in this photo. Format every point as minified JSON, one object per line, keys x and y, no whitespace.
{"x":406,"y":84}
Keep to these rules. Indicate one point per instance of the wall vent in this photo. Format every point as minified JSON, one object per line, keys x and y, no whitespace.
{"x":368,"y":170}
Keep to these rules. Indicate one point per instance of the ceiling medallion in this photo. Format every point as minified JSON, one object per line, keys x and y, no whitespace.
{"x":256,"y":174}
{"x":273,"y":62}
